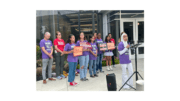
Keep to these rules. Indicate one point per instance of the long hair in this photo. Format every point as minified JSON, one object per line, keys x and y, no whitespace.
{"x":84,"y":36}
{"x":90,"y":36}
{"x":57,"y":33}
{"x":69,"y":41}
{"x":106,"y":38}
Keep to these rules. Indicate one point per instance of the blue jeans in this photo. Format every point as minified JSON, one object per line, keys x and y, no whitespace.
{"x":99,"y":62}
{"x":83,"y":61}
{"x":92,"y":63}
{"x":72,"y":68}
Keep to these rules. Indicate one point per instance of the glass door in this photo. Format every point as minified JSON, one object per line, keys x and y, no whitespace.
{"x":128,"y":26}
{"x":140,"y":37}
{"x":134,"y":28}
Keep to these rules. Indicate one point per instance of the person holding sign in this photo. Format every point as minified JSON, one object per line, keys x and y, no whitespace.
{"x":108,"y":53}
{"x":100,"y":54}
{"x":112,"y":40}
{"x":124,"y":58}
{"x":83,"y":59}
{"x":72,"y":61}
{"x":92,"y":57}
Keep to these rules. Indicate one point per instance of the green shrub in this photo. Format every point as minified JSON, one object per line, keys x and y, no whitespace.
{"x":115,"y":60}
{"x":78,"y":66}
{"x":38,"y":52}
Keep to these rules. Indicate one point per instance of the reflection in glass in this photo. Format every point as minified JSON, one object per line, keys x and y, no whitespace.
{"x":128,"y":29}
{"x":141,"y":50}
{"x":140,"y":31}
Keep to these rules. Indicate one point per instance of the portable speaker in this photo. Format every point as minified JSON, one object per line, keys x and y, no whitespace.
{"x":111,"y":82}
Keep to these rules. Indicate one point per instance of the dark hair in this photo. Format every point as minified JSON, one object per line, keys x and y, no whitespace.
{"x":90,"y":36}
{"x":84,"y":36}
{"x":109,"y":33}
{"x":57,"y":33}
{"x":69,"y":41}
{"x":106,"y":38}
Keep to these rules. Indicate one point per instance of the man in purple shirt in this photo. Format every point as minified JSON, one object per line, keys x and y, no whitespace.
{"x":100,"y":54}
{"x":47,"y":58}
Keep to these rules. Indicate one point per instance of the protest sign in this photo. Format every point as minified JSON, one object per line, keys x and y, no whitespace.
{"x":78,"y":50}
{"x":103,"y":46}
{"x":110,"y":46}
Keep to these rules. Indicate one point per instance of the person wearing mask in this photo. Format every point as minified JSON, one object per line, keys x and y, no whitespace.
{"x":112,"y":40}
{"x":59,"y":47}
{"x":100,"y":54}
{"x":47,"y":58}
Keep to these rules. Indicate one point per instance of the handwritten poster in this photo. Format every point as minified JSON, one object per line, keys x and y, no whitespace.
{"x":85,"y":45}
{"x":110,"y":46}
{"x":78,"y":50}
{"x":103,"y":46}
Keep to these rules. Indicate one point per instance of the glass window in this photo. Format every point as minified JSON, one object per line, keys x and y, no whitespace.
{"x":128,"y":29}
{"x":141,"y":50}
{"x":140,"y":31}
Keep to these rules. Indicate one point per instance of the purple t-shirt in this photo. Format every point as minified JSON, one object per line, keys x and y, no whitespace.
{"x":47,"y":45}
{"x":69,"y":47}
{"x":94,"y":48}
{"x":85,"y":52}
{"x":124,"y":58}
{"x":98,"y":41}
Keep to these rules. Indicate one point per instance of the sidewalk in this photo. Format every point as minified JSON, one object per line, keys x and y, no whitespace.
{"x":94,"y":84}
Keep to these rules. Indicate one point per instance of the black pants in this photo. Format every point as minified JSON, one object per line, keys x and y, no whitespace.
{"x":113,"y":59}
{"x":59,"y":63}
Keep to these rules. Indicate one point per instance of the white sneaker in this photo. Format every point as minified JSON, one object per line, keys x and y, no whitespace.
{"x":108,"y":68}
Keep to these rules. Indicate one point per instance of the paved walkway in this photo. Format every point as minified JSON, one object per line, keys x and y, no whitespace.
{"x":94,"y":84}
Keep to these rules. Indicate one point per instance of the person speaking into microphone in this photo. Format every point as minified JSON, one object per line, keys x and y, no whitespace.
{"x":124,"y":58}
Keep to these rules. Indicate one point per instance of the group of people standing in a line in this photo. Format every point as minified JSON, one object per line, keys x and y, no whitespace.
{"x":92,"y":56}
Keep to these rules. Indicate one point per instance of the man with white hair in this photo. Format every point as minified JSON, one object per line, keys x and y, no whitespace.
{"x":47,"y":58}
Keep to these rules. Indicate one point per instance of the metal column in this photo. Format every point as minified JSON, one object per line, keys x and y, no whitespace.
{"x":79,"y":22}
{"x":58,"y":21}
{"x":41,"y":35}
{"x":53,"y":34}
{"x":97,"y":17}
{"x":93,"y":27}
{"x":117,"y":36}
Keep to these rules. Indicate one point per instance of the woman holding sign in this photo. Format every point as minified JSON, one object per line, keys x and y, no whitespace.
{"x":108,"y":54}
{"x":124,"y":58}
{"x":92,"y":57}
{"x":83,"y":59}
{"x":72,"y":61}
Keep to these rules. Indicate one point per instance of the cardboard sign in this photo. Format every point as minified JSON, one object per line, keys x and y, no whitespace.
{"x":85,"y":45}
{"x":78,"y":50}
{"x":110,"y":46}
{"x":103,"y":46}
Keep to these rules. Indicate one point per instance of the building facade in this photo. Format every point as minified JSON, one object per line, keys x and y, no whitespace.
{"x":91,"y":21}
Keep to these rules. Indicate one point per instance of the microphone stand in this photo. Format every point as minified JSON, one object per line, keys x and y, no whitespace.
{"x":135,"y":72}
